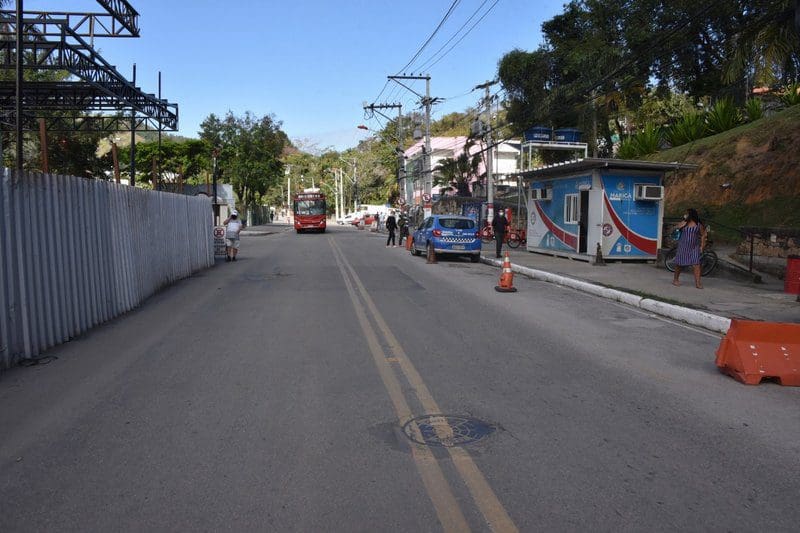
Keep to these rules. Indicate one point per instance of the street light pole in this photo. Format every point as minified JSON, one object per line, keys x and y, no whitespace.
{"x":288,"y":173}
{"x":342,"y":194}
{"x":215,"y":204}
{"x":132,"y":181}
{"x":336,"y":195}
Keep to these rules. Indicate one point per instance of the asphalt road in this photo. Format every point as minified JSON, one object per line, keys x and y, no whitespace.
{"x":281,"y":393}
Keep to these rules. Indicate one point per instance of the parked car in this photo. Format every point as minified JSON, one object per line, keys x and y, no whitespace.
{"x":447,"y":234}
{"x":349,"y":218}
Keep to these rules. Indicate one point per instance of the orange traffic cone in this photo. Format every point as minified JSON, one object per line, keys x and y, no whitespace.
{"x":431,"y":255}
{"x":506,"y":278}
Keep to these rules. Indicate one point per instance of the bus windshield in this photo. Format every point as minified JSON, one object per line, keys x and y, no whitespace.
{"x":309,"y":207}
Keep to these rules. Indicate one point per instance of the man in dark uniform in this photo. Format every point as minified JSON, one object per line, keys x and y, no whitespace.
{"x":499,"y":225}
{"x":403,"y":223}
{"x":391,"y":225}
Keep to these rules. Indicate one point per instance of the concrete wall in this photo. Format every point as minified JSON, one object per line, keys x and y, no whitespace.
{"x":771,"y":247}
{"x":75,"y":253}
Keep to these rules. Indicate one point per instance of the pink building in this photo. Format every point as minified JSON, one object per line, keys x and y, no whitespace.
{"x":505,"y":162}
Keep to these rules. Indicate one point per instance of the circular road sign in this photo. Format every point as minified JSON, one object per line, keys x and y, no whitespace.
{"x":426,"y":197}
{"x":219,"y":233}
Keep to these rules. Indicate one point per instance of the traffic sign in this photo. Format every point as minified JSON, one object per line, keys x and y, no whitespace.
{"x":426,"y":197}
{"x":219,"y":240}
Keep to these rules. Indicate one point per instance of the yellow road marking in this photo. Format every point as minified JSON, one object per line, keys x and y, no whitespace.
{"x":490,"y":506}
{"x":444,"y":502}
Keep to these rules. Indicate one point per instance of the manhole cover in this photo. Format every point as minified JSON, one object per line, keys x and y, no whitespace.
{"x":446,"y":430}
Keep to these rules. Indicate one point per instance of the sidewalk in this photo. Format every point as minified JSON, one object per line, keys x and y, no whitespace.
{"x":723,"y":294}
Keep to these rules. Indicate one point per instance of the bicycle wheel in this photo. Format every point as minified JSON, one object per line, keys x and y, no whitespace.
{"x":669,"y":259}
{"x":514,"y":240}
{"x":708,"y":262}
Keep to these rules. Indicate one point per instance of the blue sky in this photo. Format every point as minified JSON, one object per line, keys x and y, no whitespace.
{"x":312,"y":63}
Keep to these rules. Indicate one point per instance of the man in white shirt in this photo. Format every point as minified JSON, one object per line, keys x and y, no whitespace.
{"x":233,"y":226}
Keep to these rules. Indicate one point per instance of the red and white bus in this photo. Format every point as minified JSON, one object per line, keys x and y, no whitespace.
{"x":310,"y":211}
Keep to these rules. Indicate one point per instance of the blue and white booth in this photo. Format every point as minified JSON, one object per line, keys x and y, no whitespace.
{"x":618,"y":203}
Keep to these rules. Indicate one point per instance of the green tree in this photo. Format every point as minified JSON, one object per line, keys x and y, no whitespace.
{"x":250,"y":152}
{"x":766,"y":48}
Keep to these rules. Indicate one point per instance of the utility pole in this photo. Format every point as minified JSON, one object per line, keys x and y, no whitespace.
{"x":375,"y":108}
{"x":594,"y":123}
{"x":20,"y":80}
{"x":355,"y":185}
{"x":487,"y":101}
{"x":427,"y":101}
{"x":426,"y":162}
{"x":157,"y":170}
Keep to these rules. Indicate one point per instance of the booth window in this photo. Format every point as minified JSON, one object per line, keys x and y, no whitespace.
{"x":570,"y":209}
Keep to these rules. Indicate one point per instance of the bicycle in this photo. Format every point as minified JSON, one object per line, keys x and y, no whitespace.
{"x":515,"y":237}
{"x":708,"y":259}
{"x":487,"y":234}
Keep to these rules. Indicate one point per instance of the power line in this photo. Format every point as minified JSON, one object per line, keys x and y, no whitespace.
{"x":464,"y":25}
{"x":435,"y":31}
{"x":431,"y":65}
{"x":380,"y":93}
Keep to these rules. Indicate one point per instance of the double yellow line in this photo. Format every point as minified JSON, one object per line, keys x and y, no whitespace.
{"x":390,"y":366}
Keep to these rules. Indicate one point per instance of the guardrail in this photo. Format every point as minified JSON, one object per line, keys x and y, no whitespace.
{"x":75,"y":253}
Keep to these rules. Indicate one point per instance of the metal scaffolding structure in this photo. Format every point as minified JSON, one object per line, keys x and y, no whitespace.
{"x":95,"y":97}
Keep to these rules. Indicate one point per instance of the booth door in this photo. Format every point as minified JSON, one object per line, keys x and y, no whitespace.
{"x":583,"y":222}
{"x":590,"y":221}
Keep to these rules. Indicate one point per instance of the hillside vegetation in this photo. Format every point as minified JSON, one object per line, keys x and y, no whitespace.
{"x":747,"y":176}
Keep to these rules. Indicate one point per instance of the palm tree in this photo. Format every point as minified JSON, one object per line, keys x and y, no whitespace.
{"x":769,"y":41}
{"x":456,"y":173}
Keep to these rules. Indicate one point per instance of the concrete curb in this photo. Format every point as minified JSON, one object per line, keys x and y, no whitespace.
{"x":717,"y":324}
{"x":245,"y":233}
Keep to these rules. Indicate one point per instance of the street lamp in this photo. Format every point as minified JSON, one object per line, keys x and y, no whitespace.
{"x":215,"y":204}
{"x":288,"y":173}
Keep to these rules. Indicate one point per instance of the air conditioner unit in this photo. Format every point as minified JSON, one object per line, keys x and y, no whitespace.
{"x":648,"y":192}
{"x":541,"y":194}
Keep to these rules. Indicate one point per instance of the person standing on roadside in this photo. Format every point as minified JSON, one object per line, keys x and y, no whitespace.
{"x":403,"y":224}
{"x":500,"y":225}
{"x":391,"y":226}
{"x":690,"y":246}
{"x":233,"y":226}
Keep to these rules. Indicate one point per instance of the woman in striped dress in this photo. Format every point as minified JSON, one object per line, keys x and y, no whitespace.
{"x":690,"y":246}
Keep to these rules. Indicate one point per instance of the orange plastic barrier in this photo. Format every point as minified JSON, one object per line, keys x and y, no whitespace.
{"x":752,"y":351}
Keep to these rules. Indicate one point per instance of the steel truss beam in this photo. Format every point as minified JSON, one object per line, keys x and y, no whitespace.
{"x":82,"y":123}
{"x":49,"y":24}
{"x":81,"y":60}
{"x":124,"y":13}
{"x":54,"y":95}
{"x":64,"y":105}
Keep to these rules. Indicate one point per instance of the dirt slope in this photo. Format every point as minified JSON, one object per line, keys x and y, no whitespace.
{"x":748,"y":176}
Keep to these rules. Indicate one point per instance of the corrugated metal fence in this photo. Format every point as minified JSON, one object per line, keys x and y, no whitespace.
{"x":75,"y":253}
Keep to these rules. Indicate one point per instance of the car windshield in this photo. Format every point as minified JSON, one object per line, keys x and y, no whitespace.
{"x":310,"y":207}
{"x":456,"y":223}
